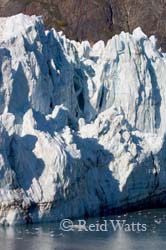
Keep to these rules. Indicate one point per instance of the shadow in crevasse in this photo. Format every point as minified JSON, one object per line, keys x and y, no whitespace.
{"x":91,"y":179}
{"x":145,"y":187}
{"x":93,"y":152}
{"x":156,"y":95}
{"x":23,"y":161}
{"x":71,"y":84}
{"x":4,"y":54}
{"x":80,"y":83}
{"x":19,"y":102}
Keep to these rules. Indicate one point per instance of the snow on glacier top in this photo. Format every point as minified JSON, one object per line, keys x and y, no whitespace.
{"x":18,"y":24}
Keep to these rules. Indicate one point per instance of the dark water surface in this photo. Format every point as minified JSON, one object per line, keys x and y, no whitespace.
{"x":50,"y":237}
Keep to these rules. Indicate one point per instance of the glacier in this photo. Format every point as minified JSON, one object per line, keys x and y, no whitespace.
{"x":82,"y":128}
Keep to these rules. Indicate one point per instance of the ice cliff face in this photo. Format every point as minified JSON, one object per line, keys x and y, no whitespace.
{"x":82,"y":129}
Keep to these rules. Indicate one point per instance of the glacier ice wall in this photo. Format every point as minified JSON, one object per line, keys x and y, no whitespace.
{"x":82,"y":129}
